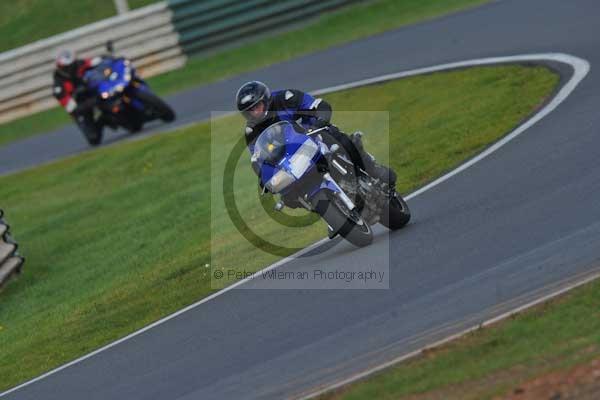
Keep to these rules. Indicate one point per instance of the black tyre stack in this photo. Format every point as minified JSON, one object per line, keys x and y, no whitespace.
{"x":10,"y":261}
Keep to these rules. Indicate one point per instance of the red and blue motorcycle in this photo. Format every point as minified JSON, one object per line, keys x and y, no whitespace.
{"x":117,"y":97}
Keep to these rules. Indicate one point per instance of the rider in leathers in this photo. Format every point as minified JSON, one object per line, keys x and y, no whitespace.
{"x":68,"y":77}
{"x":261,"y":109}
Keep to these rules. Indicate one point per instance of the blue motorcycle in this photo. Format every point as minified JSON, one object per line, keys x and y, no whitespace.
{"x":300,"y":167}
{"x":117,"y":97}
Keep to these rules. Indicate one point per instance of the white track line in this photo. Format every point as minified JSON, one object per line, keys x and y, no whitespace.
{"x":580,"y":66}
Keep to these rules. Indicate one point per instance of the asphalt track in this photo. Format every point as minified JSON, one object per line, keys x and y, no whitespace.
{"x":513,"y":227}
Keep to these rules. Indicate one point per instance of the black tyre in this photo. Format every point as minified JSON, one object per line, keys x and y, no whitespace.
{"x":91,"y":130}
{"x":346,"y":223}
{"x":134,"y":125}
{"x":157,"y":107}
{"x":397,"y":214}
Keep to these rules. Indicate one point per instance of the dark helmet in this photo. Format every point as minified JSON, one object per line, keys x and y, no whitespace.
{"x":249,"y":96}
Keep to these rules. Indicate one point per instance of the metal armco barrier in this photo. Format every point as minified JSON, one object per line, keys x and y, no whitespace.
{"x":209,"y":24}
{"x":10,"y":261}
{"x":157,"y":38}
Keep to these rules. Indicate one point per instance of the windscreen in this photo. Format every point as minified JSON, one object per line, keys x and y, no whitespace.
{"x":99,"y":73}
{"x":270,"y":145}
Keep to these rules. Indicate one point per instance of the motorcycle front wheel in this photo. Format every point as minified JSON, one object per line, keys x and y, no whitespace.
{"x":92,"y":131}
{"x":342,"y":221}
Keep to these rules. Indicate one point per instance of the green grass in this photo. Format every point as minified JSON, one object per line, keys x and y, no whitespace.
{"x":25,"y":21}
{"x":491,"y":361}
{"x":331,"y":29}
{"x":119,"y":237}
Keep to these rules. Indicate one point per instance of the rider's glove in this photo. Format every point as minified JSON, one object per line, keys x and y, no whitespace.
{"x":320,"y":123}
{"x":71,"y":106}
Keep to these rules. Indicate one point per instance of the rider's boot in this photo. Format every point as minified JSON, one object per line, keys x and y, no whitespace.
{"x":376,"y":170}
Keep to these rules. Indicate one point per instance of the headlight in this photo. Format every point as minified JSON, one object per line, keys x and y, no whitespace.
{"x":280,"y":181}
{"x":114,"y":90}
{"x":301,"y":160}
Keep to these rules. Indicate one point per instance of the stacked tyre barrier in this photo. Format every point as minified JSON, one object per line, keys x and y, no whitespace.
{"x":11,"y":262}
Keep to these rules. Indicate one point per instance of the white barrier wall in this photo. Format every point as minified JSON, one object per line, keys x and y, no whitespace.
{"x":145,"y":35}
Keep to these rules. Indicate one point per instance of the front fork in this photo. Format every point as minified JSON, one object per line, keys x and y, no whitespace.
{"x":329,"y":183}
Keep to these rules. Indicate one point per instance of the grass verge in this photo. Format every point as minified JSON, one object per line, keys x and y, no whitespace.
{"x":118,"y":237}
{"x":490,"y":362}
{"x":31,"y":20}
{"x":349,"y":24}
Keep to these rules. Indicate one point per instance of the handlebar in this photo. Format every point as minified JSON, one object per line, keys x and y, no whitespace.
{"x":312,"y":132}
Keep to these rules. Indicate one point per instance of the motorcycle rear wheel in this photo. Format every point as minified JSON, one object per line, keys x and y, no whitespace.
{"x":396,"y":214}
{"x":160,"y":109}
